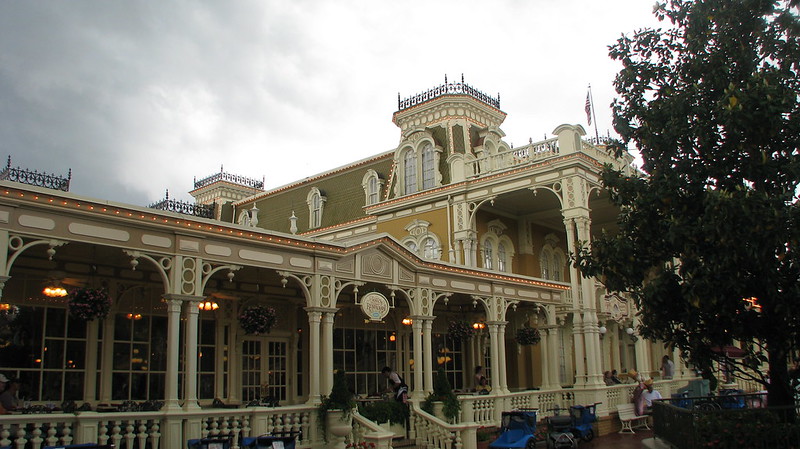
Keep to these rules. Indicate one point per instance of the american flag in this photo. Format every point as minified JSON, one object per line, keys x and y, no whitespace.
{"x":588,"y":108}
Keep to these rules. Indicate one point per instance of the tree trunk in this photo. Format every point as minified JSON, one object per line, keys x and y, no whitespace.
{"x":779,"y":393}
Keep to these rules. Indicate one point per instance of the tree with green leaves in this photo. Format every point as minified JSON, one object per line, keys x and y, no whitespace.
{"x":707,"y":243}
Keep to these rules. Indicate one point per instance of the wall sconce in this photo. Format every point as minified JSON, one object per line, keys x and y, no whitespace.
{"x":134,"y":316}
{"x":478,"y":326}
{"x":631,"y":333}
{"x":208,"y":305}
{"x":392,"y":337}
{"x":602,"y":331}
{"x":407,"y":321}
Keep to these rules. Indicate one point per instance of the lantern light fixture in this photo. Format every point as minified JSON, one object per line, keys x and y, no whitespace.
{"x":54,"y":291}
{"x":208,"y":305}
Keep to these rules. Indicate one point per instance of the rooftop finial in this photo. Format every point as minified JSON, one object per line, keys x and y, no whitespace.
{"x":9,"y":162}
{"x":220,"y":169}
{"x":445,"y":78}
{"x":166,"y":195}
{"x":462,"y":78}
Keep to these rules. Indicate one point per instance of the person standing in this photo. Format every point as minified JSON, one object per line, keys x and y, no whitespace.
{"x":398,"y":385}
{"x":481,"y":382}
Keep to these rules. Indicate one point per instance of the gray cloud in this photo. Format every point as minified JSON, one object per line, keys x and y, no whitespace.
{"x":141,"y":96}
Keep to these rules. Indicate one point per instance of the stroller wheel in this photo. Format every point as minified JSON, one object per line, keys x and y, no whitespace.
{"x":588,"y":436}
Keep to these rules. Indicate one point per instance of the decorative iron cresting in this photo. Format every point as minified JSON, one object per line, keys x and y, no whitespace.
{"x":461,"y":88}
{"x":236,"y":179}
{"x":184,"y":207}
{"x":34,"y":178}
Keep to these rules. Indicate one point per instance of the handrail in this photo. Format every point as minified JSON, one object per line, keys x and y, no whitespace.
{"x":435,"y":433}
{"x":365,"y":430}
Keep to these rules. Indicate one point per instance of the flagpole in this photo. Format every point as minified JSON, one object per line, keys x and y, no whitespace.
{"x":594,"y":117}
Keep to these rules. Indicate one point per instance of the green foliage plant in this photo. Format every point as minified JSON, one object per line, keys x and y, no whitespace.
{"x":341,"y":398}
{"x":711,"y":103}
{"x":394,"y":412}
{"x":443,"y":391}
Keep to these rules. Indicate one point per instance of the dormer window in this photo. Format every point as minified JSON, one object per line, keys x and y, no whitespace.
{"x":316,"y":204}
{"x":417,"y":165}
{"x":372,"y":187}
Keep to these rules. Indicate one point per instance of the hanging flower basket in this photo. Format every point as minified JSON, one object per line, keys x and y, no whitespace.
{"x":258,"y":319}
{"x":460,"y":330}
{"x":86,"y":304}
{"x":528,"y":336}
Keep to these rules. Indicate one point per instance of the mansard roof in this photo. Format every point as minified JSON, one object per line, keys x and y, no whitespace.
{"x":341,"y":187}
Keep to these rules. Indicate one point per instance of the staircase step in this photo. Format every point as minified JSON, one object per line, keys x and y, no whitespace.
{"x":404,"y":443}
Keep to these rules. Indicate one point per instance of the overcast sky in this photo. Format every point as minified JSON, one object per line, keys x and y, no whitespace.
{"x":141,"y":96}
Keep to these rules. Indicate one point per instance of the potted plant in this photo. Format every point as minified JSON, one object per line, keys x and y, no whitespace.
{"x":257,"y":320}
{"x":442,"y":403}
{"x":86,"y":304}
{"x":527,"y":336}
{"x":335,"y":411}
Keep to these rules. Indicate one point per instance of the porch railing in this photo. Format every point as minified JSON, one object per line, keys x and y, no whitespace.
{"x":131,"y":430}
{"x":513,"y":157}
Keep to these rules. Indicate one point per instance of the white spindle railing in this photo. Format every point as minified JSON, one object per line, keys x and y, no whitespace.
{"x":434,"y":433}
{"x":367,"y":431}
{"x":514,"y":156}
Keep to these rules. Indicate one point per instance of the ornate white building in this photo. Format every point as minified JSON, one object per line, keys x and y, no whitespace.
{"x":451,"y":225}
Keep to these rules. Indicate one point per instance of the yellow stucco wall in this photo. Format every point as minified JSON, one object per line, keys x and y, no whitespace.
{"x":438,"y":226}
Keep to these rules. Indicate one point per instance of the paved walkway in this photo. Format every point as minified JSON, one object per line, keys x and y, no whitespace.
{"x":613,"y":441}
{"x":619,"y":441}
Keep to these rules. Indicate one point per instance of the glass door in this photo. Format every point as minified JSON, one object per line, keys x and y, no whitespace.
{"x":264,"y":369}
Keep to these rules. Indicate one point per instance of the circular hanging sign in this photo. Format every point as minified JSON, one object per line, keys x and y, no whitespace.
{"x":375,"y":306}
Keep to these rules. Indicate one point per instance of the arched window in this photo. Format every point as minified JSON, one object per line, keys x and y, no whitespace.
{"x":552,"y":259}
{"x":316,"y":203}
{"x":544,"y":261}
{"x":421,"y":241}
{"x":429,"y":249}
{"x":372,"y":187}
{"x":428,"y":169}
{"x":487,"y":254}
{"x":557,"y":267}
{"x":498,"y":249}
{"x":410,"y":171}
{"x":417,"y":166}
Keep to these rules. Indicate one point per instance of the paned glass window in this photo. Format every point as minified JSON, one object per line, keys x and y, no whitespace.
{"x":428,"y":170}
{"x":410,"y":172}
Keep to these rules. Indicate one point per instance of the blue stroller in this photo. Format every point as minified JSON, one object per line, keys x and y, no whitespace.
{"x":583,"y":418}
{"x":518,"y":430}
